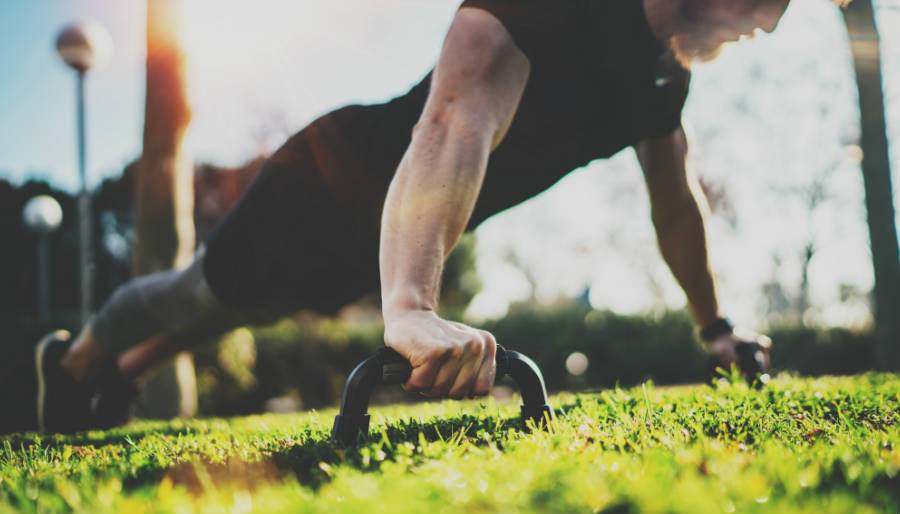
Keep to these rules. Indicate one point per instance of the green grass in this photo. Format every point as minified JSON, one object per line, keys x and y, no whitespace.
{"x":801,"y":445}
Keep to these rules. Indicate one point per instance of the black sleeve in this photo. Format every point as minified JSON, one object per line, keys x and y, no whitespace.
{"x":531,"y":23}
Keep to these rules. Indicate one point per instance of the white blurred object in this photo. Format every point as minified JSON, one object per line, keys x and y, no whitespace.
{"x":576,"y":363}
{"x":42,"y":214}
{"x":290,"y":402}
{"x":84,"y":45}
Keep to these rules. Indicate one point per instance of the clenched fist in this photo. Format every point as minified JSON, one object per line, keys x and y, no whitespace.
{"x":448,"y":359}
{"x":748,"y":350}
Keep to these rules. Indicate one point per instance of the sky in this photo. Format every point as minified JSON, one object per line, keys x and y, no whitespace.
{"x":765,"y":119}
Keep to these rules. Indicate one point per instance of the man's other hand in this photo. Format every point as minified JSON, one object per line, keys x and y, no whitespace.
{"x":727,"y":350}
{"x":448,"y":359}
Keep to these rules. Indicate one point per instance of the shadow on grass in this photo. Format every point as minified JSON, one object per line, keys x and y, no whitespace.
{"x":119,"y":436}
{"x":310,"y":461}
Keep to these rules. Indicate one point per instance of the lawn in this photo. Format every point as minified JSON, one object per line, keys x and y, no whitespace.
{"x":800,"y":445}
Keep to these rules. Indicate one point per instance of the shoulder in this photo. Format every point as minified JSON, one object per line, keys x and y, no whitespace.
{"x":671,"y":75}
{"x":533,"y":24}
{"x":672,"y":84}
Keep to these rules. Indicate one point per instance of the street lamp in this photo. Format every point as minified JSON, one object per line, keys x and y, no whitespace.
{"x":43,"y":215}
{"x":84,"y":46}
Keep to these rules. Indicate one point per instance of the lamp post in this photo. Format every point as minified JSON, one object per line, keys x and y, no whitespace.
{"x":84,"y":46}
{"x":43,"y":215}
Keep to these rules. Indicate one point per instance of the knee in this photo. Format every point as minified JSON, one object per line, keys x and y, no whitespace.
{"x":177,"y":297}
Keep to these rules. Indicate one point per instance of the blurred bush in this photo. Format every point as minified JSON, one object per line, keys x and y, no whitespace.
{"x":303,"y":361}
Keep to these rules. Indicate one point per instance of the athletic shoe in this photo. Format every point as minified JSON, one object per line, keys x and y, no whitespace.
{"x":113,"y":403}
{"x":63,"y":405}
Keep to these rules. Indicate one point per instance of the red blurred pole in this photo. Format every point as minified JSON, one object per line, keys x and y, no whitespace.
{"x":164,"y":193}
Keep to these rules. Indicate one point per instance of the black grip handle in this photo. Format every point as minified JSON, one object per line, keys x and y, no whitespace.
{"x":388,"y":367}
{"x":395,"y":370}
{"x":751,"y":362}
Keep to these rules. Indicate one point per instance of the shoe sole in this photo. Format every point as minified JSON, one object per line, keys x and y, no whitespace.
{"x":39,"y":372}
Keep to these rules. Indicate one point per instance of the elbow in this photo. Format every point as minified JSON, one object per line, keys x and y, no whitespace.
{"x":676,"y":212}
{"x":451,"y":114}
{"x":674,"y":206}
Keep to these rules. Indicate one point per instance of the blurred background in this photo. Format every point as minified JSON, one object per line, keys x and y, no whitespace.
{"x":795,"y":171}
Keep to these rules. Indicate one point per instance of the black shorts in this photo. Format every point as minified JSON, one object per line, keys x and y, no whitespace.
{"x":306,"y":231}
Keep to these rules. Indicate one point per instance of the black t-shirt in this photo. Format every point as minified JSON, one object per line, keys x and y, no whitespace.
{"x":599,"y":82}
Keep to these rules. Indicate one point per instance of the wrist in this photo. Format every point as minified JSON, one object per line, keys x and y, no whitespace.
{"x":396,"y":305}
{"x":715,"y":329}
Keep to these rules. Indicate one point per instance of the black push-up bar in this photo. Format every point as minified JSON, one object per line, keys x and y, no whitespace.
{"x":387,"y":367}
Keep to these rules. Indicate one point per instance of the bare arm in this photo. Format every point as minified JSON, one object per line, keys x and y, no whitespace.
{"x":678,"y":209}
{"x":475,"y":90}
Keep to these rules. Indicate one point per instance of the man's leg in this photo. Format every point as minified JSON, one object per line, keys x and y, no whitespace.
{"x":141,"y":311}
{"x":140,"y":361}
{"x":139,"y":317}
{"x":85,"y":356}
{"x":304,"y":235}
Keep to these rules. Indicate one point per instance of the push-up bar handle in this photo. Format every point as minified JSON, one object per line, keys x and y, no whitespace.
{"x":387,"y":367}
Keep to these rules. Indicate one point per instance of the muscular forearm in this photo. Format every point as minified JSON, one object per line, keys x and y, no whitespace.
{"x":678,"y":207}
{"x":475,"y":90}
{"x":473,"y":95}
{"x":427,"y":208}
{"x":681,"y":233}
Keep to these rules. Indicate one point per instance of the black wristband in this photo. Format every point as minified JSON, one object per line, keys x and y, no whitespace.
{"x":716,"y":329}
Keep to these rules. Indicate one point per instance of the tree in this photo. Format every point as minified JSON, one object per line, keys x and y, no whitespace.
{"x":865,"y":46}
{"x":163,"y":194}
